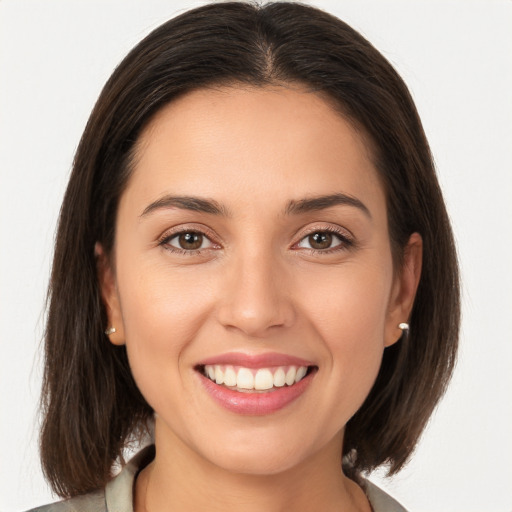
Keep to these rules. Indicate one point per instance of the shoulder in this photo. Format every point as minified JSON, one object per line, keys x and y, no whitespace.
{"x":92,"y":502}
{"x":380,"y":500}
{"x":117,"y":495}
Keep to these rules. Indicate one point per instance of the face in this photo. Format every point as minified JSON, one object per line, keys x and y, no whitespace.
{"x":252,"y":281}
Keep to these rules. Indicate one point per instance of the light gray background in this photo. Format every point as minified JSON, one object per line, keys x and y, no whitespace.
{"x":456,"y":56}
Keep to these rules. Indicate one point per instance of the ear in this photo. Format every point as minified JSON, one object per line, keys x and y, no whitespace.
{"x":109,"y":295}
{"x":404,"y":289}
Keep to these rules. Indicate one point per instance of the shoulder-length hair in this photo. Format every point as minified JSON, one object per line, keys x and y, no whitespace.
{"x":91,"y":404}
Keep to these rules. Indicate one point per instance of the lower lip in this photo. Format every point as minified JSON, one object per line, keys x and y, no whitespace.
{"x":256,"y":404}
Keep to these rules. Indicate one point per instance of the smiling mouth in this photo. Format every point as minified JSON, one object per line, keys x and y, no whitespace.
{"x":255,"y":380}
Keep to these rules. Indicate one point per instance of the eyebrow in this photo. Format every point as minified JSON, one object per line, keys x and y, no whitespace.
{"x":294,"y":207}
{"x":322,"y":202}
{"x":186,"y":203}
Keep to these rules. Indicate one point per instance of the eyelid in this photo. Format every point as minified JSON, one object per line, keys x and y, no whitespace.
{"x":189,"y":228}
{"x":173,"y":238}
{"x":346,"y":237}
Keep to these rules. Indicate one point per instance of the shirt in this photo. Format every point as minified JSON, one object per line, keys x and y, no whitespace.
{"x":117,"y":496}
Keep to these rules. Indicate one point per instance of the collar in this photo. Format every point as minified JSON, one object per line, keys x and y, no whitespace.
{"x":119,"y":491}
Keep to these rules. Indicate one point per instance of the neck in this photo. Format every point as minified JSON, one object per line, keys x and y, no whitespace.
{"x":181,"y":477}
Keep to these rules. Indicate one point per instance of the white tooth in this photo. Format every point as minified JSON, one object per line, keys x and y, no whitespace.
{"x":229,"y":376}
{"x":210,"y":370}
{"x":219,"y":375}
{"x":279,"y":378}
{"x":290,"y":375}
{"x":300,"y":373}
{"x":263,"y":379}
{"x":245,"y":379}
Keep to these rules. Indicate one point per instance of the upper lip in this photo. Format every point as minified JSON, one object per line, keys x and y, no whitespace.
{"x":265,"y":360}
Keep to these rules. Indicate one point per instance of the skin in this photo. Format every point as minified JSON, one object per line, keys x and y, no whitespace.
{"x":255,"y":286}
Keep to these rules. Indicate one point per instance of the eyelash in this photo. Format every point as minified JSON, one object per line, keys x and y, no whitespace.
{"x":346,"y":242}
{"x":167,"y":237}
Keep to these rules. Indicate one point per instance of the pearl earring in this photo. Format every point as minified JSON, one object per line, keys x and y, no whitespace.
{"x":110,"y":330}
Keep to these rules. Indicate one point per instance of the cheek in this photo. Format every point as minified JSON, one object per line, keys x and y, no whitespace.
{"x":162,"y":313}
{"x":347,"y":309}
{"x":349,"y":303}
{"x":161,"y":304}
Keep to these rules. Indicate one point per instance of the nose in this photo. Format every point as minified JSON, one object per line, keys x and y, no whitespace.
{"x":256,"y":298}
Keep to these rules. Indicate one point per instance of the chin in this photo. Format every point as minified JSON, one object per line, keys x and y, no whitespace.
{"x":256,"y":462}
{"x":259,"y":452}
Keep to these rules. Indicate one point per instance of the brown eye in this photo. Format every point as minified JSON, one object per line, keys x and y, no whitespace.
{"x":189,"y":241}
{"x":320,"y":240}
{"x":323,"y":240}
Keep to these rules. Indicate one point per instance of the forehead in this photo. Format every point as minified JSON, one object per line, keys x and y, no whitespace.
{"x":233,"y":141}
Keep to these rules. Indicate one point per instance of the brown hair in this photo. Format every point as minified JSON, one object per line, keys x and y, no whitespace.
{"x":90,"y":402}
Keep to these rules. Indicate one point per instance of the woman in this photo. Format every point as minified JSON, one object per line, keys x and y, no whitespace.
{"x":254,"y":255}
